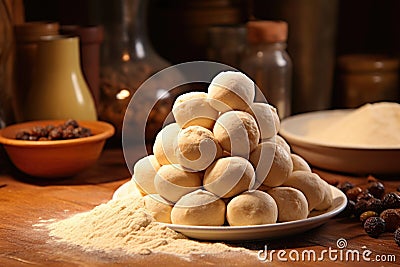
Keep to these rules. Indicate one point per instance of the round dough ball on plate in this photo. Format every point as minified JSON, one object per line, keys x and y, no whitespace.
{"x":282,"y":142}
{"x":272,"y":163}
{"x":193,"y":108}
{"x":199,"y":207}
{"x":237,"y":132}
{"x":173,"y":181}
{"x":231,"y":90}
{"x":292,"y":204}
{"x":299,"y":164}
{"x":252,"y":208}
{"x":328,"y":197}
{"x":158,"y":207}
{"x":267,"y":119}
{"x":229,"y":176}
{"x":197,"y":148}
{"x":310,"y":184}
{"x":165,"y":144}
{"x":144,"y":172}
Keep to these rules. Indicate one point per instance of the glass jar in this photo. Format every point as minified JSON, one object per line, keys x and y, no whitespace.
{"x":127,"y":60}
{"x":266,"y":61}
{"x":366,"y":78}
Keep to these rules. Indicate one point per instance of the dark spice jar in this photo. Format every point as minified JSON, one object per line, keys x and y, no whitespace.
{"x":127,"y":60}
{"x":27,"y":37}
{"x":365,"y":78}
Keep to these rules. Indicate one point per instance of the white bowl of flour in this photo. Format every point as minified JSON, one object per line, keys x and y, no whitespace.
{"x":358,"y":141}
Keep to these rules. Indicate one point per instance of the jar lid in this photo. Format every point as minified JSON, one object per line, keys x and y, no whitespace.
{"x":367,"y":62}
{"x":32,"y":31}
{"x":266,"y":31}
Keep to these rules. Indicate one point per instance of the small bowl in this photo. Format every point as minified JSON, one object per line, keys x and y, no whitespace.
{"x":56,"y":158}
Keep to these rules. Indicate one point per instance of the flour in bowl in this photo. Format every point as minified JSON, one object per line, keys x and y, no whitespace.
{"x":372,"y":125}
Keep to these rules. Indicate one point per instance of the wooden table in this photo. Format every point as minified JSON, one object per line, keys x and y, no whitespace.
{"x":25,"y":201}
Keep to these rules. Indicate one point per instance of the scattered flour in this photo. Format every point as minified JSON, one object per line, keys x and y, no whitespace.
{"x":372,"y":125}
{"x":124,"y":224}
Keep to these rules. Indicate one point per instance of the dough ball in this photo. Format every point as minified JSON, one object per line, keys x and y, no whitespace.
{"x":228,"y":177}
{"x":328,"y":197}
{"x":299,"y":164}
{"x":252,"y":208}
{"x":267,"y":119}
{"x":282,"y":142}
{"x":272,"y":163}
{"x":292,"y":204}
{"x":237,"y":132}
{"x":158,"y":207}
{"x":144,"y":172}
{"x":172,"y":182}
{"x":231,"y":90}
{"x":310,"y":185}
{"x":194,"y":109}
{"x":165,"y":143}
{"x":199,"y":208}
{"x":197,"y":148}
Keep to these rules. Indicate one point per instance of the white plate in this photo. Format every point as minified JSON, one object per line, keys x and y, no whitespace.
{"x":253,"y":232}
{"x":355,"y":160}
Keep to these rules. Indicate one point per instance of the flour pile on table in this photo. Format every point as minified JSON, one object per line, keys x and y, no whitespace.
{"x":124,"y":225}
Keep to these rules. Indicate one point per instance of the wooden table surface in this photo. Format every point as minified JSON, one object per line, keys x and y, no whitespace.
{"x":25,"y":201}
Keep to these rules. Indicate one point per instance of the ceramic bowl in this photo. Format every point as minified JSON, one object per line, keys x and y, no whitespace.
{"x":56,"y":158}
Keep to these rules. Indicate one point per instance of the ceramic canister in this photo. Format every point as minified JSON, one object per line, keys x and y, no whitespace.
{"x":58,"y":89}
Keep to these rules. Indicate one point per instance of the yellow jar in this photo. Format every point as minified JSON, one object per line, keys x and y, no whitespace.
{"x":367,"y":78}
{"x":58,"y":89}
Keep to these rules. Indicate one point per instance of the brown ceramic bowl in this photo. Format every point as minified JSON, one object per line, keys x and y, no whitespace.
{"x":57,"y":158}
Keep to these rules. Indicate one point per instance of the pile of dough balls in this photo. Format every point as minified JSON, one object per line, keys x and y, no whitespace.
{"x":222,"y":163}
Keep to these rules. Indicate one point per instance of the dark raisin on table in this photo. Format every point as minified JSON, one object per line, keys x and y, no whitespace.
{"x":364,"y":195}
{"x":391,"y":200}
{"x":377,"y":189}
{"x":375,"y":204}
{"x":345,"y":186}
{"x":392,"y":219}
{"x":374,"y":226}
{"x":353,"y":193}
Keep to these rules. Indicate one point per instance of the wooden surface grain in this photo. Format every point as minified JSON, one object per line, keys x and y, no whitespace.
{"x":26,"y":203}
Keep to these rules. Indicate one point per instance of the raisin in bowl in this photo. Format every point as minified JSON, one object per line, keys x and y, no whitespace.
{"x":55,"y":148}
